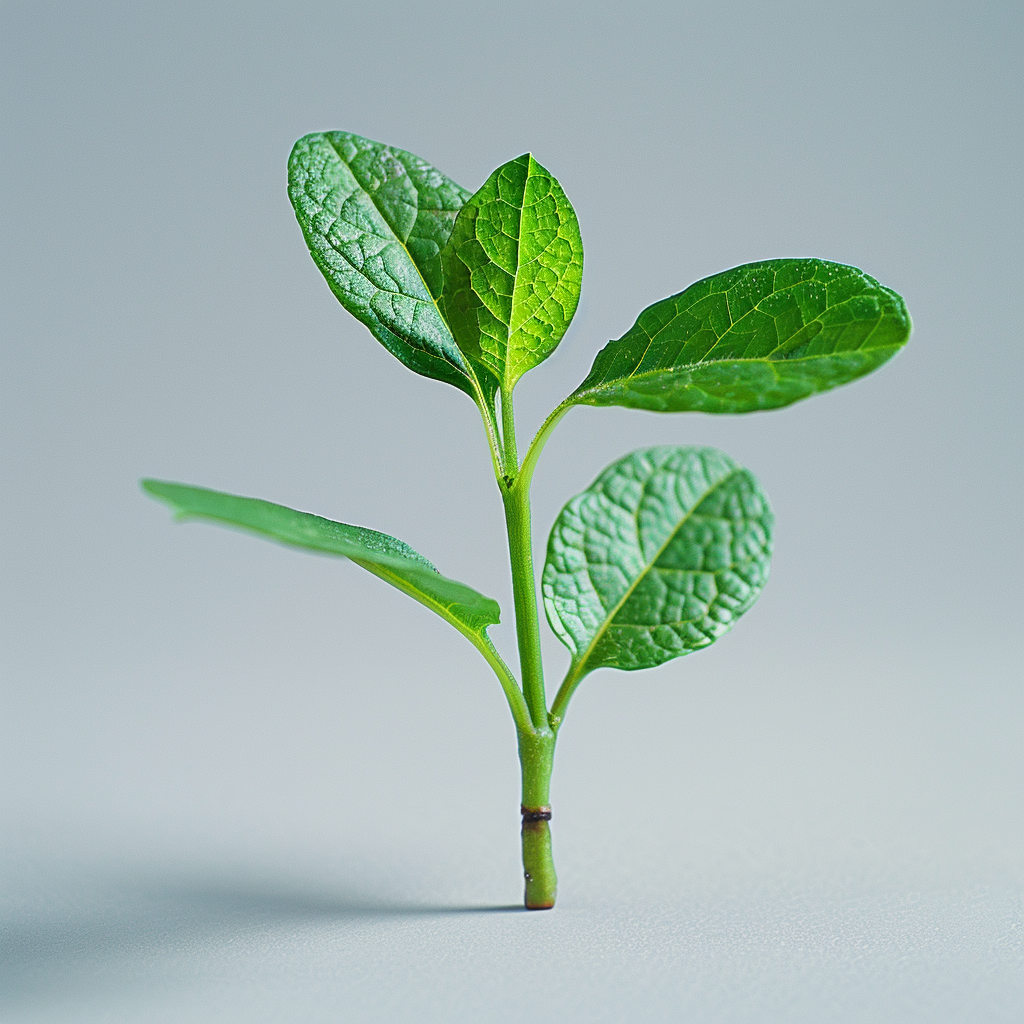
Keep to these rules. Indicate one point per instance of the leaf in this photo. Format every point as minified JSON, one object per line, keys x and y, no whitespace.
{"x":375,"y":220}
{"x":759,"y":336}
{"x":390,"y":559}
{"x":657,"y":558}
{"x":512,"y":271}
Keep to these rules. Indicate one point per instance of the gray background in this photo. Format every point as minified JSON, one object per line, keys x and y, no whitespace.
{"x":241,"y":783}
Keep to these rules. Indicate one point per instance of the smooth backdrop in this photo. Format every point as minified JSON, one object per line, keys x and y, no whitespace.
{"x":242,"y":783}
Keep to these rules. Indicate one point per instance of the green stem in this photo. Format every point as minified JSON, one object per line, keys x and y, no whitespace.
{"x":490,"y":426}
{"x":540,"y":439}
{"x":536,"y":755}
{"x":524,"y":591}
{"x":508,"y":437}
{"x":514,"y":696}
{"x":537,"y":744}
{"x":564,"y":695}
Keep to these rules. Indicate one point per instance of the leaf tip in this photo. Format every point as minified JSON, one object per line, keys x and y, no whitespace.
{"x":154,"y":488}
{"x":160,"y":489}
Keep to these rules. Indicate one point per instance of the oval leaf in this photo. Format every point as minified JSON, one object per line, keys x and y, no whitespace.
{"x":390,"y":559}
{"x":375,"y":219}
{"x":512,"y":271}
{"x":657,"y":558}
{"x":759,"y":336}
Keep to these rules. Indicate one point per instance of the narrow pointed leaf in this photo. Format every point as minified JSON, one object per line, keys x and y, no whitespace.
{"x":375,"y":219}
{"x":390,"y":559}
{"x":512,"y":271}
{"x":657,"y":558}
{"x":759,"y":336}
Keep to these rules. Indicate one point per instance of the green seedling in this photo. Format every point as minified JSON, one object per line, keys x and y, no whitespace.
{"x":670,"y":545}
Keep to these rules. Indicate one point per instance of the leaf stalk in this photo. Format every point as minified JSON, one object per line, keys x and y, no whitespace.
{"x":490,"y":427}
{"x":564,"y":695}
{"x":525,"y":477}
{"x":513,"y":694}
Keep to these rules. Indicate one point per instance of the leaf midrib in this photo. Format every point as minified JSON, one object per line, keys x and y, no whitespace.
{"x":515,"y":276}
{"x":386,"y":570}
{"x":607,"y":384}
{"x":535,"y":315}
{"x":389,"y":575}
{"x":309,"y":544}
{"x":723,"y":362}
{"x":733,"y":323}
{"x":464,"y":367}
{"x":580,"y":662}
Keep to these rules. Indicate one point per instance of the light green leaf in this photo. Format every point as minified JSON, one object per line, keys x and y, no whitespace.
{"x":375,"y":219}
{"x":759,"y":336}
{"x":512,"y":271}
{"x":657,"y":558}
{"x":390,"y":559}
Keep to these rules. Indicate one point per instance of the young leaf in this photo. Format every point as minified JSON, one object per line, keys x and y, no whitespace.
{"x":512,"y":271}
{"x":375,"y":219}
{"x":390,"y":559}
{"x":657,"y":558}
{"x":759,"y":336}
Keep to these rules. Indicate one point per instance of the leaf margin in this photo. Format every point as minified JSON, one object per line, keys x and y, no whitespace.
{"x":581,"y":660}
{"x":389,"y":566}
{"x":465,"y":307}
{"x":448,"y":363}
{"x":589,"y":392}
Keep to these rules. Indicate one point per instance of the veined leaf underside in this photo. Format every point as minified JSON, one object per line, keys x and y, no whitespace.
{"x":657,"y":558}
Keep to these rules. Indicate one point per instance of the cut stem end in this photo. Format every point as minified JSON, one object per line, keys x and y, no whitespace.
{"x":538,"y":865}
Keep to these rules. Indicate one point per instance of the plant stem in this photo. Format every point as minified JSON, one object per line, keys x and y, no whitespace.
{"x":536,"y":744}
{"x":536,"y":755}
{"x":516,"y":499}
{"x":508,"y":437}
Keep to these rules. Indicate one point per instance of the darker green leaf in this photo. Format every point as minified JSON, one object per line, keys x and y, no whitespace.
{"x":375,"y":219}
{"x":759,"y":336}
{"x":657,"y":558}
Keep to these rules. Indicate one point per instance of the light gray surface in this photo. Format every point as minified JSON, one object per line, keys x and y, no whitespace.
{"x":232,"y":792}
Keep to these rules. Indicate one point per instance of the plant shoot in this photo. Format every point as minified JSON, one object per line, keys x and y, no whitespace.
{"x":670,"y":545}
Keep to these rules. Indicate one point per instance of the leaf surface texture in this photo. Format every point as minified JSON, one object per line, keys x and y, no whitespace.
{"x":657,"y":558}
{"x":375,"y":219}
{"x":759,"y":336}
{"x":512,"y":271}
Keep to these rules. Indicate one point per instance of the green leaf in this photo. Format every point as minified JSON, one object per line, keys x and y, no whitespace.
{"x":657,"y":558}
{"x":759,"y":336}
{"x":375,"y":219}
{"x":512,"y":271}
{"x":390,"y":559}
